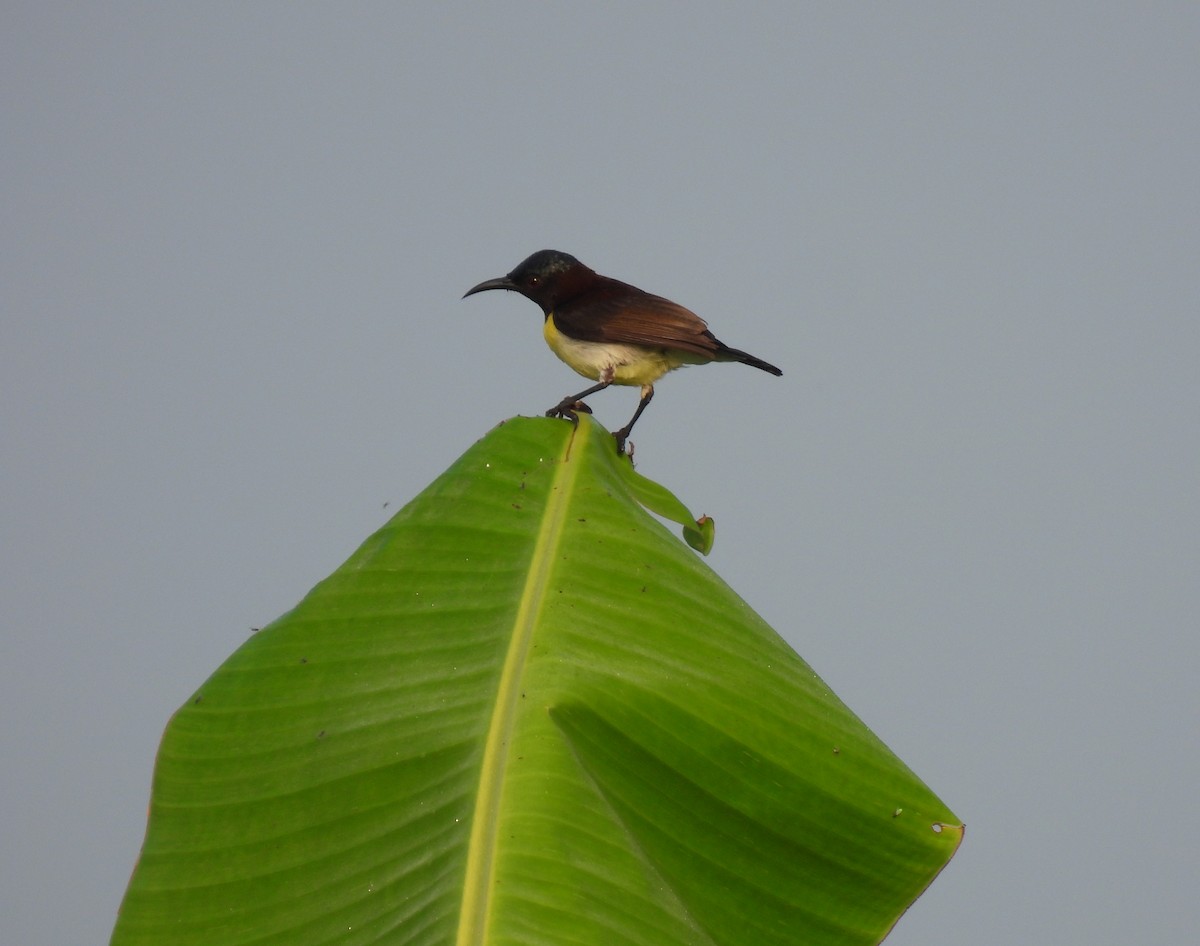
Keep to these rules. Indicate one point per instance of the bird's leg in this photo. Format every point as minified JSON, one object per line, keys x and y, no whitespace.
{"x":623,"y":434}
{"x":569,"y":405}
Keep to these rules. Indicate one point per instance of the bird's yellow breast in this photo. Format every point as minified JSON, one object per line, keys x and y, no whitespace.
{"x":630,"y":364}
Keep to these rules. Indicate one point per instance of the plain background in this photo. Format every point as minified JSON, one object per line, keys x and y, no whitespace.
{"x":234,"y":241}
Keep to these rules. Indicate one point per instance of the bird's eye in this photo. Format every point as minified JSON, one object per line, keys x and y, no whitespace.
{"x":534,"y":280}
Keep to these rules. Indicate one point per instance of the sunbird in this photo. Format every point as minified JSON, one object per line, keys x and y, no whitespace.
{"x":612,"y":332}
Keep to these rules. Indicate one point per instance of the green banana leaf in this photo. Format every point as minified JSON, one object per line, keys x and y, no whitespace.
{"x":524,"y":712}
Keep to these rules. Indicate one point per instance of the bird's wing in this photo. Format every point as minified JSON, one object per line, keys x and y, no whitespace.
{"x":645,"y":319}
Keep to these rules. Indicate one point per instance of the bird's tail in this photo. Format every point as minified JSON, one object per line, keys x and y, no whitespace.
{"x":733,"y":354}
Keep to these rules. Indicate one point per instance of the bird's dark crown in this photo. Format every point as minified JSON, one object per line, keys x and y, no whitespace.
{"x":549,"y":277}
{"x":546,"y":263}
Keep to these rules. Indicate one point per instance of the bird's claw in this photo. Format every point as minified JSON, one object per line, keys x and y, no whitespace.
{"x":569,"y":409}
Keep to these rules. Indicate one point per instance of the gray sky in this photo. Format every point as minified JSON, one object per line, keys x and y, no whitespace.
{"x":235,"y":240}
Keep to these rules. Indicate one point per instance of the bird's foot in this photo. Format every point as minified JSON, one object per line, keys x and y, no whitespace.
{"x":621,"y":436}
{"x":569,"y":409}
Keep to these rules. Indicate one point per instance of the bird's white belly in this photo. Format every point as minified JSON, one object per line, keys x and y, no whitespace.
{"x":629,"y":364}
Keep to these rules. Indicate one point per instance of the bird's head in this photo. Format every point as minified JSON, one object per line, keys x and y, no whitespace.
{"x":548,"y":277}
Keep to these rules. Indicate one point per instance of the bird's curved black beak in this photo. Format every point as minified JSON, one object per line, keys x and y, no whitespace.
{"x":502,"y":283}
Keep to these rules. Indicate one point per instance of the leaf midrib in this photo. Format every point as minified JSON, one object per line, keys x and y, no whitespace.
{"x":478,"y":882}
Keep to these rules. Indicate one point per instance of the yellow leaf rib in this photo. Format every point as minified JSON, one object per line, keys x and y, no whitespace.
{"x":481,"y":855}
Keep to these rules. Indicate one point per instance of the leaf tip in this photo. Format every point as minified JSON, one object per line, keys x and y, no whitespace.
{"x":701,"y":535}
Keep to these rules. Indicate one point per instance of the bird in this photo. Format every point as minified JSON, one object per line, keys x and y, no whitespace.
{"x":612,"y":332}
